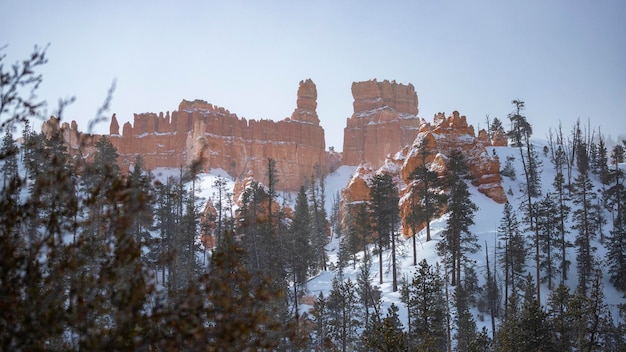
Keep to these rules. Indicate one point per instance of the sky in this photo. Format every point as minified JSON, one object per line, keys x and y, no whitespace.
{"x":565,"y":59}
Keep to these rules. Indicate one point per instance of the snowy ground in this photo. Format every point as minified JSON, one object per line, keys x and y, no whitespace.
{"x":486,"y":221}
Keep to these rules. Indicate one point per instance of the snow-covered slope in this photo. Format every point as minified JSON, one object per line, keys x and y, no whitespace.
{"x":486,"y":221}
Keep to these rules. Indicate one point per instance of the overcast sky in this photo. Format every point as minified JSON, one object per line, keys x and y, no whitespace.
{"x":565,"y":59}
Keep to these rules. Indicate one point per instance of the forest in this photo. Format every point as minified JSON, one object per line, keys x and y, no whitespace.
{"x":95,"y":259}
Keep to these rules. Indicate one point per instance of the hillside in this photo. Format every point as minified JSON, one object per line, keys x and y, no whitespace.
{"x":486,"y":222}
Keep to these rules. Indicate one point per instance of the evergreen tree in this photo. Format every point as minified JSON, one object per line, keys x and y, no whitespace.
{"x":509,"y":168}
{"x":384,"y":195}
{"x":512,"y":253}
{"x":425,"y":301}
{"x":165,"y":223}
{"x":302,"y":258}
{"x":560,"y":318}
{"x":386,"y":334}
{"x":534,"y":331}
{"x":185,"y":245}
{"x":520,"y":133}
{"x":8,"y":158}
{"x":358,"y":234}
{"x":319,"y":221}
{"x":507,"y":335}
{"x":495,"y":127}
{"x":466,"y":331}
{"x":369,"y":295}
{"x":615,"y":196}
{"x":222,"y":196}
{"x":261,"y":239}
{"x":321,"y":337}
{"x":616,"y":257}
{"x":562,"y":213}
{"x":490,"y":300}
{"x":458,"y":241}
{"x":589,"y":316}
{"x":344,"y":314}
{"x":548,"y":226}
{"x":141,"y":204}
{"x":239,"y":311}
{"x":427,"y":197}
{"x":585,"y":252}
{"x":602,"y":161}
{"x":482,"y":342}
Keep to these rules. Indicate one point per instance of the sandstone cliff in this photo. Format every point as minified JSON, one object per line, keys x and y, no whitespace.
{"x":439,"y":139}
{"x":214,"y":138}
{"x":384,"y":121}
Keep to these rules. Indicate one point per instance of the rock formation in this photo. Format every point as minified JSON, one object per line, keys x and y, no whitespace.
{"x":383,"y":131}
{"x":384,"y":121}
{"x":439,"y":139}
{"x":213,"y":138}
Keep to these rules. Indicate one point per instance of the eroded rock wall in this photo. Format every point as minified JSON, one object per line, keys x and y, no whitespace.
{"x":213,"y":138}
{"x":384,"y":121}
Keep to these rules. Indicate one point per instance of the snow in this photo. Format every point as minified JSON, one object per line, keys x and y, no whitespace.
{"x":487,"y":219}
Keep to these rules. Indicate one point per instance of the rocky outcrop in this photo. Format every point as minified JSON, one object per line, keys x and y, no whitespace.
{"x":497,"y":140}
{"x":213,"y":138}
{"x":438,"y":140}
{"x":306,"y":104}
{"x":384,"y":121}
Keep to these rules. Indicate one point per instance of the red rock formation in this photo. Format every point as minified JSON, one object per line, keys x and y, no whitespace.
{"x":498,"y":140}
{"x":358,"y":189}
{"x":439,"y":139}
{"x":215,"y":138}
{"x":384,"y":121}
{"x":114,"y":129}
{"x":306,"y":104}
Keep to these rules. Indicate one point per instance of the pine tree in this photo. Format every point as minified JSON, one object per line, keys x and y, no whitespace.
{"x":615,"y":196}
{"x":560,"y":318}
{"x":617,"y":255}
{"x":466,"y":331}
{"x":589,"y":316}
{"x":8,"y":158}
{"x":458,"y":241}
{"x":369,"y":295}
{"x":141,"y":204}
{"x":344,"y":314}
{"x":427,"y":197}
{"x":384,"y":195}
{"x":602,"y":161}
{"x":520,"y":132}
{"x":426,"y":305}
{"x":321,"y":338}
{"x":319,"y":219}
{"x":495,"y":127}
{"x":585,"y":252}
{"x":166,"y":225}
{"x":240,"y":311}
{"x":186,"y":267}
{"x":563,"y":211}
{"x":512,"y":253}
{"x":386,"y":334}
{"x":222,"y":196}
{"x":534,"y":330}
{"x":548,"y":226}
{"x":300,"y":251}
{"x":489,"y":301}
